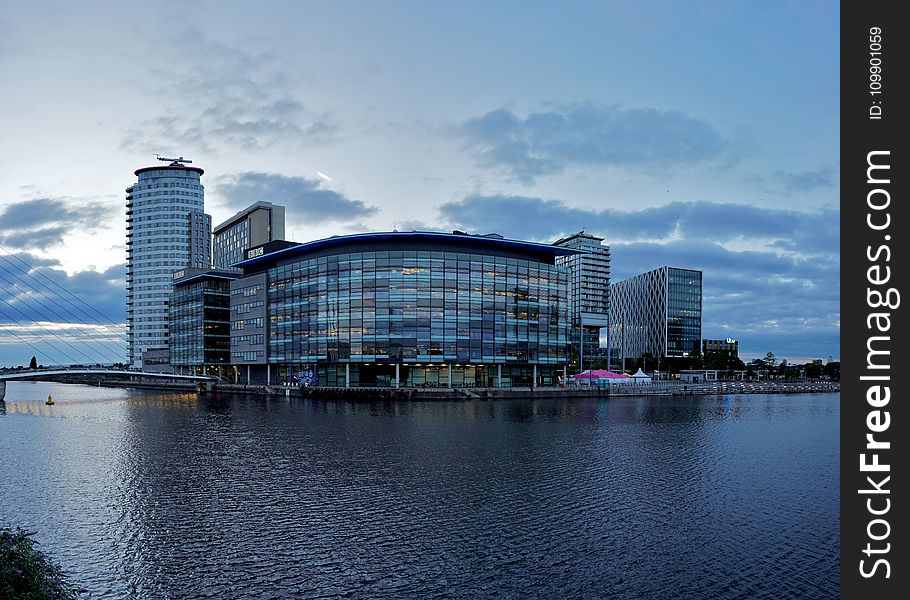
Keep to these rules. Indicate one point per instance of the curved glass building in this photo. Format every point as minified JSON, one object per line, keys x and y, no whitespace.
{"x":166,"y":230}
{"x":402,"y":308}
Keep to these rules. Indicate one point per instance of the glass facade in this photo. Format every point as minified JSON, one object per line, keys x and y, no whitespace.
{"x":491,"y":316}
{"x":683,"y":311}
{"x":230,"y":243}
{"x":257,"y":224}
{"x":658,"y":312}
{"x":200,"y":322}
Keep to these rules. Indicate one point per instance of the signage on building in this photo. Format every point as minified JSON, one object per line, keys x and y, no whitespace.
{"x":178,"y":274}
{"x":255,"y":252}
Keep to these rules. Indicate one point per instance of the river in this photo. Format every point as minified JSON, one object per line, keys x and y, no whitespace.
{"x":144,"y":494}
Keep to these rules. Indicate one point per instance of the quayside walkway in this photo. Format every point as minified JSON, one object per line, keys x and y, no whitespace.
{"x":664,"y":388}
{"x":673,"y":388}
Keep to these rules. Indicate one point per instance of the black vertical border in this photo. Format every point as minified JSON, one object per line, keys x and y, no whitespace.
{"x":861,"y":135}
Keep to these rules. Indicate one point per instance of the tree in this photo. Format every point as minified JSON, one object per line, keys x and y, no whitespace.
{"x":770,"y":360}
{"x":33,"y":363}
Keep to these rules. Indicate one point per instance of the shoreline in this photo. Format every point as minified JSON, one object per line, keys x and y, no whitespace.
{"x":467,"y":393}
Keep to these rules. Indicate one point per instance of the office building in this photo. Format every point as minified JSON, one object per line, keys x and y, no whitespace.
{"x":589,"y":296}
{"x":199,"y":320}
{"x":165,"y":231}
{"x":402,"y":308}
{"x":721,"y":354}
{"x":658,"y":312}
{"x":200,"y":240}
{"x":255,"y":225}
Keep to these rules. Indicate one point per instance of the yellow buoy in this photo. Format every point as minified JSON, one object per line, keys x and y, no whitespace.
{"x":50,"y":400}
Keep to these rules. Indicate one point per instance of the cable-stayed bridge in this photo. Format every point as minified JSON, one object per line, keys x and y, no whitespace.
{"x":85,"y":375}
{"x":41,"y":318}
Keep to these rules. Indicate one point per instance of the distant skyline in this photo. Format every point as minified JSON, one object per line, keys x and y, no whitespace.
{"x":702,"y":135}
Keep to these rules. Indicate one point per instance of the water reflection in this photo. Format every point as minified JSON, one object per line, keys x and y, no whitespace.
{"x":143,"y":494}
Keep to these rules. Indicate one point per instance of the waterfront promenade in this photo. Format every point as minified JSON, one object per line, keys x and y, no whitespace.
{"x":657,"y":388}
{"x":664,"y":388}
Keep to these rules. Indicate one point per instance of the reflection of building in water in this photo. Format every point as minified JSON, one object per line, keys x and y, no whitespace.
{"x":403,"y":308}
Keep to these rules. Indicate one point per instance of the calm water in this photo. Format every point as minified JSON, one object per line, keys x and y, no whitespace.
{"x":140,"y":494}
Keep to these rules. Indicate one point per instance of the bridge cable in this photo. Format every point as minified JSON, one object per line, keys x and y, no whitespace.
{"x":28,"y":272}
{"x":20,"y":324}
{"x":117,"y":357}
{"x":117,"y":327}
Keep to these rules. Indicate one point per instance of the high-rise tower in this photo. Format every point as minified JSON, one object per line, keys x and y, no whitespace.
{"x":166,"y":230}
{"x":589,"y":295}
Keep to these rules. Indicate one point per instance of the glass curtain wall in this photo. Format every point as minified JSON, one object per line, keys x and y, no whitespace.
{"x":418,"y":307}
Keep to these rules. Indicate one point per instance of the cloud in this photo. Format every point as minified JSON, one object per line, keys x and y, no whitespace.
{"x":218,"y":95}
{"x":804,"y":181}
{"x":796,"y":182}
{"x":541,"y":219}
{"x":41,"y":223}
{"x":307,"y":197}
{"x":567,"y":135}
{"x":771,"y":276}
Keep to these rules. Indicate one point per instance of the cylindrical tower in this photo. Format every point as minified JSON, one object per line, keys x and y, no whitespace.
{"x":165,"y":231}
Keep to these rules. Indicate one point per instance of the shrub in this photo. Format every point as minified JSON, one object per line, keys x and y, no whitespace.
{"x":26,"y":573}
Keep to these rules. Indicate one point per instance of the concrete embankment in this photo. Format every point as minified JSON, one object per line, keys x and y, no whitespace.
{"x":670,"y":388}
{"x":656,"y":389}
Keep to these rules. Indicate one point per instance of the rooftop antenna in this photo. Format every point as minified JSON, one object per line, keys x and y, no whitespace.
{"x":395,"y":227}
{"x":175,"y":162}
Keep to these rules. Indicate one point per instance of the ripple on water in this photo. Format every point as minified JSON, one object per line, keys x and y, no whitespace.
{"x":146,"y":495}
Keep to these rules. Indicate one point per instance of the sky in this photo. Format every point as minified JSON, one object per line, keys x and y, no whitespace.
{"x":701,"y":135}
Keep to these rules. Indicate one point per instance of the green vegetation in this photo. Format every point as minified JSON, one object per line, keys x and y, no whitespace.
{"x":26,"y":573}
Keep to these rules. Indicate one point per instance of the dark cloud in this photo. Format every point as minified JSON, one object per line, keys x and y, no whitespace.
{"x":551,"y":140}
{"x":300,"y":195}
{"x":771,"y":276}
{"x":787,"y":304}
{"x":40,"y":239}
{"x":41,"y":223}
{"x":539,"y":219}
{"x":40,"y":303}
{"x":216,"y":95}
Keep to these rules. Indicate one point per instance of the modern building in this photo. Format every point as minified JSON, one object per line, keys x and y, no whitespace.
{"x":199,"y":320}
{"x":165,"y":231}
{"x":658,"y":312}
{"x":403,"y":309}
{"x":200,"y":240}
{"x":589,"y":295}
{"x":721,"y":354}
{"x":255,"y":225}
{"x":728,"y":345}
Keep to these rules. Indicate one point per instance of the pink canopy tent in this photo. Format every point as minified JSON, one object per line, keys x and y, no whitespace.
{"x":598,"y":374}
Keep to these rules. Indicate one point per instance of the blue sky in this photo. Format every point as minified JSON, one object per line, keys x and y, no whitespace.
{"x":697,"y":134}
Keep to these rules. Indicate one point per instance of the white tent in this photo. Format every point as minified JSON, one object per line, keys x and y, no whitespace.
{"x":641,"y":377}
